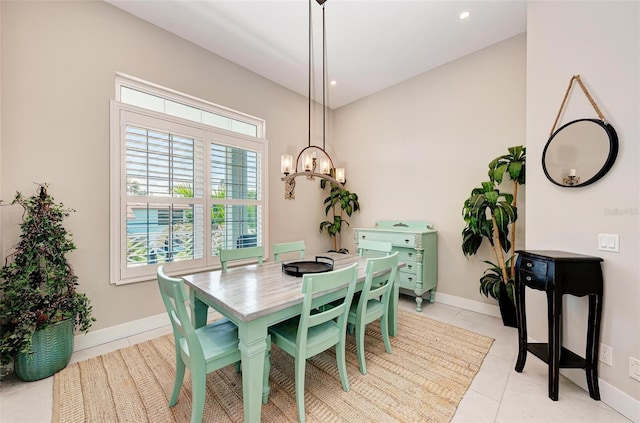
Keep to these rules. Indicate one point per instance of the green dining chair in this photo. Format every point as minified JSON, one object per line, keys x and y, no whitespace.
{"x":373,"y":303}
{"x":240,"y":254}
{"x":373,"y":248}
{"x":201,"y":350}
{"x":315,"y":331}
{"x":288,"y":247}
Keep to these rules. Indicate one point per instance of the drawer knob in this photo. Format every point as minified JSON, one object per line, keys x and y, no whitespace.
{"x":529,"y":264}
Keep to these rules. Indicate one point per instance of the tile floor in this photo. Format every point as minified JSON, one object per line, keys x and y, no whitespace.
{"x":497,"y":394}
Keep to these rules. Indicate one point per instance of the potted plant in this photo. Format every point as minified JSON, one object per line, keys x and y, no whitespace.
{"x":490,"y":214}
{"x":39,"y":304}
{"x":339,"y":202}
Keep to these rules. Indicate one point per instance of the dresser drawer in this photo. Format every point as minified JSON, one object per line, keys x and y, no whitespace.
{"x":395,"y":238}
{"x":409,"y":267}
{"x":407,"y":280}
{"x":406,"y":255}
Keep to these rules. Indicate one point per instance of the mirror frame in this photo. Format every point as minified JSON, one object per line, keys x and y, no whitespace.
{"x":611,"y":158}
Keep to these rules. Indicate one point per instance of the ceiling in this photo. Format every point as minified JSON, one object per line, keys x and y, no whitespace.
{"x":370,"y":45}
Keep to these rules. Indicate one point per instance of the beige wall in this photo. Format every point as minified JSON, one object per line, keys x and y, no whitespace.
{"x":601,"y":42}
{"x":59,"y":61}
{"x":414,"y":151}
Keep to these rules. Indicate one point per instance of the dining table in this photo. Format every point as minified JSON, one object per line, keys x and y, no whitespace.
{"x":256,"y":296}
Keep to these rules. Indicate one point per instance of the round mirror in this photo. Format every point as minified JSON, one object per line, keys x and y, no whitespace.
{"x":580,"y":152}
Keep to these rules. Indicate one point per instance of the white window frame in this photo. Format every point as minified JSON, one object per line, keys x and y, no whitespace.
{"x":120,"y":114}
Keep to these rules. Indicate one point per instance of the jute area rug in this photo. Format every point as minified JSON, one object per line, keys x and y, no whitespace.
{"x":423,"y":380}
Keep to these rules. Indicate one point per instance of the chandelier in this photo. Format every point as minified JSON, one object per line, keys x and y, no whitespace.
{"x":313,"y":161}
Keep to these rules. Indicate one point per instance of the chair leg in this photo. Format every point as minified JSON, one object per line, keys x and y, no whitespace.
{"x":177,"y":384}
{"x":237,"y":366}
{"x":198,"y":391}
{"x":300,"y":366}
{"x":266,"y":389}
{"x":360,"y":347}
{"x":342,"y":363}
{"x":384,"y":327}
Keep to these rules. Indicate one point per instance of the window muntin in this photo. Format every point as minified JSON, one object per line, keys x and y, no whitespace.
{"x":162,"y":178}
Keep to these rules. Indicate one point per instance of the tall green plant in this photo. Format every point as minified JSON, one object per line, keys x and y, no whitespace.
{"x":514,"y":165}
{"x":490,"y":214}
{"x":38,"y":284}
{"x":340,"y":202}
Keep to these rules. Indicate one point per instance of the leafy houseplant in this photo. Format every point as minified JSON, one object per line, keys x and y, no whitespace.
{"x":490,"y":214}
{"x":339,"y":202}
{"x":38,"y":285}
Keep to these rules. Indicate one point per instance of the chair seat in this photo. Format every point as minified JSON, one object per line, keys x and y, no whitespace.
{"x":217,"y":339}
{"x":374,"y":309}
{"x":319,"y":337}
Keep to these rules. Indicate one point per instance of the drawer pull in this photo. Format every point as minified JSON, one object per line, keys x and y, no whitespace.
{"x":409,"y":266}
{"x":407,"y":240}
{"x":529,"y":264}
{"x":528,"y":278}
{"x":410,"y":254}
{"x":364,"y":236}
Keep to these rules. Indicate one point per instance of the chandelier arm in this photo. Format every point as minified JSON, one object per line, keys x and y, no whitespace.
{"x":331,"y":179}
{"x":318,"y":148}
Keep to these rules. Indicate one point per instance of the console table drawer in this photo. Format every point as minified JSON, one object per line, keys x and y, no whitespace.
{"x":534,"y":266}
{"x":406,"y":255}
{"x":534,"y":280}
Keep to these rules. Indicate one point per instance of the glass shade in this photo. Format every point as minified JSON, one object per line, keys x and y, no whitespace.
{"x":325,"y":167}
{"x":307,"y":160}
{"x":286,"y":163}
{"x":340,"y":175}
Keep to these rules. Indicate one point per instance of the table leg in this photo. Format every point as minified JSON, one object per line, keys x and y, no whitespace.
{"x":522,"y":326}
{"x":253,"y":349}
{"x":554,"y":315}
{"x":593,"y":344}
{"x":198,"y":310}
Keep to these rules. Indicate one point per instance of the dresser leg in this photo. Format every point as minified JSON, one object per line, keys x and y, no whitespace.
{"x":593,"y":344}
{"x":418,"y":303}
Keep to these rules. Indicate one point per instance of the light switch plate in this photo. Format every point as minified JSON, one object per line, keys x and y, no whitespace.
{"x":609,"y":242}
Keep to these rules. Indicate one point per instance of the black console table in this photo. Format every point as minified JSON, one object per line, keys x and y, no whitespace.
{"x":559,"y":273}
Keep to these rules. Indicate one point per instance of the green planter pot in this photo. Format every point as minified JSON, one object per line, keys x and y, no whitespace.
{"x":52,"y":348}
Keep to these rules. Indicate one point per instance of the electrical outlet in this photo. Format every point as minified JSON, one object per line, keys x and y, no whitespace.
{"x":634,"y":368}
{"x":606,"y":354}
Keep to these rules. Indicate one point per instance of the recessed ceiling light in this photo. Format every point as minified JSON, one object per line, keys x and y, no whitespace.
{"x":464,"y":15}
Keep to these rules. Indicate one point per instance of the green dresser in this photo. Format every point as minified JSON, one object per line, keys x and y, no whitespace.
{"x":417,"y":245}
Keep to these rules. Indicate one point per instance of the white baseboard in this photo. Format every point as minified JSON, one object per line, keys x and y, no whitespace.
{"x":610,"y":395}
{"x":471,"y":305}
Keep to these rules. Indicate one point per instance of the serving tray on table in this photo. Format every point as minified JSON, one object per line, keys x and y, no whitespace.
{"x":298,"y":268}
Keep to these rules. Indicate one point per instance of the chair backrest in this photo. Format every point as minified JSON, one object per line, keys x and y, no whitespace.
{"x":381,"y":274}
{"x":379,"y":248}
{"x":240,"y":254}
{"x":311,"y":316}
{"x":288,"y":247}
{"x":173,"y":296}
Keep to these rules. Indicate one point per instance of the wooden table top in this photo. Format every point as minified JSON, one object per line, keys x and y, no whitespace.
{"x":252,"y":291}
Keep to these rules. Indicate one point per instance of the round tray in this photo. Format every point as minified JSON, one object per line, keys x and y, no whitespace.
{"x":299,"y":268}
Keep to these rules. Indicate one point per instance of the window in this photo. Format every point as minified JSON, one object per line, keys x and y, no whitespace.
{"x":187,"y":179}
